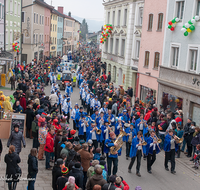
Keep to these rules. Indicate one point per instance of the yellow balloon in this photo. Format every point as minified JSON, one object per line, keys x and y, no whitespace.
{"x":104,"y":26}
{"x":13,"y":44}
{"x":188,"y":30}
{"x":108,"y":28}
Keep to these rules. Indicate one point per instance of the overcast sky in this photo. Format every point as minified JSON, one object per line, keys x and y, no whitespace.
{"x":89,"y":9}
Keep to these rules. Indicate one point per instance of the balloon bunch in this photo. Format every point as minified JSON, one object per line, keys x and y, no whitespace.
{"x":79,"y":31}
{"x":16,"y":47}
{"x":107,"y":30}
{"x":172,"y":23}
{"x":189,"y":27}
{"x":78,"y":43}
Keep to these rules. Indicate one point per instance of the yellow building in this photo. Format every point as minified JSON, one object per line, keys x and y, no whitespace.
{"x":54,"y":28}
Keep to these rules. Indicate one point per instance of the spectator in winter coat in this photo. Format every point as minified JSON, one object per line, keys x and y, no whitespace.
{"x":18,"y":108}
{"x":29,"y":119}
{"x":56,"y":172}
{"x":111,"y":184}
{"x":77,"y":173}
{"x":68,"y":147}
{"x":118,"y":184}
{"x":91,"y":168}
{"x":49,"y":146}
{"x":32,"y":168}
{"x":53,"y":98}
{"x":96,"y":179}
{"x":23,"y":102}
{"x":12,"y":159}
{"x":16,"y":138}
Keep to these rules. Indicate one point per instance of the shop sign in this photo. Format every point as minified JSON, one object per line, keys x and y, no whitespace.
{"x":196,"y":81}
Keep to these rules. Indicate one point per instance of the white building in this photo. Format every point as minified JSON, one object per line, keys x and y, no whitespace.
{"x":121,"y":50}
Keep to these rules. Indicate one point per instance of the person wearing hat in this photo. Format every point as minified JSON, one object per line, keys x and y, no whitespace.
{"x":131,"y":133}
{"x":170,"y":148}
{"x":136,"y":151}
{"x":152,"y":149}
{"x":73,"y":115}
{"x":87,"y":101}
{"x":118,"y":126}
{"x":68,"y":90}
{"x":66,"y":109}
{"x":112,"y":158}
{"x":83,"y":125}
{"x":56,"y":172}
{"x":189,"y":129}
{"x":62,"y":180}
{"x":78,"y":117}
{"x":140,"y":123}
{"x":95,"y":104}
{"x":95,"y":115}
{"x":17,"y":139}
{"x":23,"y":101}
{"x":71,"y":136}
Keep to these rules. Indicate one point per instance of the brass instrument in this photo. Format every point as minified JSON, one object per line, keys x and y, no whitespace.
{"x":178,"y":140}
{"x":157,"y":139}
{"x":98,"y":131}
{"x":118,"y":141}
{"x":130,"y":138}
{"x":144,"y":143}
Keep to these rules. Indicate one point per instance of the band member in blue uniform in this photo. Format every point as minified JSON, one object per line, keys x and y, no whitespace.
{"x":118,"y":126}
{"x":66,"y":108}
{"x":79,"y":116}
{"x":96,"y":103}
{"x":104,"y":109}
{"x":83,"y":124}
{"x":152,"y":149}
{"x":112,"y":158}
{"x":73,"y":115}
{"x":68,"y":90}
{"x":125,"y":117}
{"x":136,"y":151}
{"x":95,"y":115}
{"x":170,"y":147}
{"x":131,"y":133}
{"x":100,"y":120}
{"x":110,"y":117}
{"x":140,"y":123}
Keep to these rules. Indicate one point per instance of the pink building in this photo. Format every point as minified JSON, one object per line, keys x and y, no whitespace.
{"x":47,"y":24}
{"x":151,"y":47}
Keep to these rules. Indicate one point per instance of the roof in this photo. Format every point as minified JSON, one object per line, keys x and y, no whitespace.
{"x":42,"y":3}
{"x":58,"y":13}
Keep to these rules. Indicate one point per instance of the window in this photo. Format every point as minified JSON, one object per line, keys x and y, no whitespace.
{"x":19,"y":9}
{"x":11,"y":37}
{"x":40,"y":19}
{"x":113,"y":18}
{"x":156,"y":60}
{"x":55,"y":40}
{"x":11,"y":7}
{"x":175,"y":55}
{"x":193,"y":59}
{"x":15,"y":8}
{"x":146,"y":61}
{"x":119,"y":16}
{"x":137,"y":49}
{"x":140,"y":16}
{"x":111,"y":45}
{"x":198,"y":7}
{"x":55,"y":27}
{"x":22,"y":38}
{"x":123,"y":48}
{"x":116,"y":46}
{"x":0,"y":11}
{"x":36,"y":39}
{"x":37,"y":19}
{"x":108,"y":18}
{"x":33,"y":38}
{"x":34,"y":17}
{"x":160,"y":21}
{"x":125,"y":17}
{"x":150,"y":25}
{"x":45,"y":21}
{"x":179,"y":9}
{"x":23,"y":17}
{"x":40,"y":38}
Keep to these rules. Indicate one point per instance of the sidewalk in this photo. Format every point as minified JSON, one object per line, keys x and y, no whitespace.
{"x":7,"y":90}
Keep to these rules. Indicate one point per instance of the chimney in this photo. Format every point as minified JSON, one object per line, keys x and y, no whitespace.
{"x":69,"y":14}
{"x":60,"y":10}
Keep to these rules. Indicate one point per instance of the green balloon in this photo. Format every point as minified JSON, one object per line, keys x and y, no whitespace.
{"x":186,"y":33}
{"x":184,"y":26}
{"x":170,"y":26}
{"x":19,"y":49}
{"x":108,"y":35}
{"x":105,"y":40}
{"x":173,"y":21}
{"x":192,"y":27}
{"x":189,"y":22}
{"x":111,"y":25}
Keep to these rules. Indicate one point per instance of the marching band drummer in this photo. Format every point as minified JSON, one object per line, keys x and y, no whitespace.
{"x":170,"y":147}
{"x":131,"y":133}
{"x":112,"y":158}
{"x":152,"y":149}
{"x":136,"y":151}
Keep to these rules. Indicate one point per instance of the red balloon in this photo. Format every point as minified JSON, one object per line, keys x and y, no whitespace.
{"x":106,"y":34}
{"x":170,"y":22}
{"x":172,"y":29}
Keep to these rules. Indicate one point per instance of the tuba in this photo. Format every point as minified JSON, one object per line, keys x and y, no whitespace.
{"x":118,"y":141}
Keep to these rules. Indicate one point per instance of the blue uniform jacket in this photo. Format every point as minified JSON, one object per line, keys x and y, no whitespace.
{"x":149,"y":149}
{"x":107,"y":145}
{"x":167,"y":144}
{"x":128,"y":130}
{"x":89,"y":135}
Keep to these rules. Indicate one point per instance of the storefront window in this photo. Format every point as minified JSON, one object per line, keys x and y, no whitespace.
{"x":172,"y":101}
{"x":147,"y":94}
{"x":195,"y":113}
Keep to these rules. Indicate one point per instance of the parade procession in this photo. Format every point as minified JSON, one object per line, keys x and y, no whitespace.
{"x":113,"y":108}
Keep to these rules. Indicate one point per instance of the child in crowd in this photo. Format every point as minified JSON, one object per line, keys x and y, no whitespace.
{"x":180,"y":132}
{"x":196,"y":157}
{"x":97,"y":154}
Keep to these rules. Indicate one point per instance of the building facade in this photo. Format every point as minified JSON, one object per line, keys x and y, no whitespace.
{"x":54,"y":29}
{"x":76,"y":34}
{"x":34,"y":21}
{"x":13,"y":24}
{"x":179,"y":73}
{"x":117,"y":50}
{"x":151,"y":47}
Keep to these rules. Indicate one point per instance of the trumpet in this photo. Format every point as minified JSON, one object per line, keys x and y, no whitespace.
{"x":157,"y":139}
{"x":98,"y":131}
{"x":178,"y":140}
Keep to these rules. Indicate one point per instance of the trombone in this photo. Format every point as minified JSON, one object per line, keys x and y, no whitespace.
{"x":178,"y":140}
{"x":157,"y":139}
